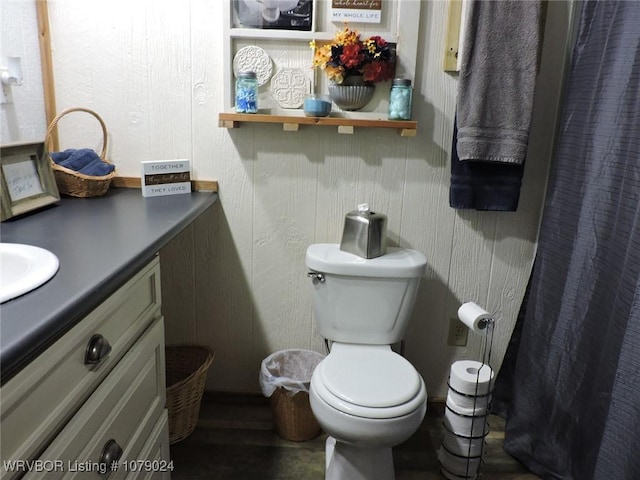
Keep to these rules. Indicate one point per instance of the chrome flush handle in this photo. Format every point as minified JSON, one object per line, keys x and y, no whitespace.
{"x":316,"y":276}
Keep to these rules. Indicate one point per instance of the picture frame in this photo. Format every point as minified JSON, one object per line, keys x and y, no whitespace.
{"x":27,"y":181}
{"x":268,"y":15}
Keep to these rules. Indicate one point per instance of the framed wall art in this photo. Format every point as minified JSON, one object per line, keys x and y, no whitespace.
{"x":273,"y":14}
{"x":26,"y":179}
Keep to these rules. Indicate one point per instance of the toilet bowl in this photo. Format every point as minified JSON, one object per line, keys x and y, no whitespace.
{"x":368,"y":399}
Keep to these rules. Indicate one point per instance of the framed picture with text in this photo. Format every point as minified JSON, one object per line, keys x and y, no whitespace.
{"x":356,"y":11}
{"x":26,"y":179}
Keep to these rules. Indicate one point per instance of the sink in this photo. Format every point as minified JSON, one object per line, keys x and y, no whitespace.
{"x":24,"y":268}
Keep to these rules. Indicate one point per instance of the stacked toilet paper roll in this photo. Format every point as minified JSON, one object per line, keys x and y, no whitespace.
{"x":465,"y":419}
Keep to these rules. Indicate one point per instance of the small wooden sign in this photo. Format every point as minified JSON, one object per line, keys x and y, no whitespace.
{"x":356,"y":11}
{"x":165,"y":177}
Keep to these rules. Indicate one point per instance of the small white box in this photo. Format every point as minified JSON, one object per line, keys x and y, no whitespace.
{"x":165,"y":177}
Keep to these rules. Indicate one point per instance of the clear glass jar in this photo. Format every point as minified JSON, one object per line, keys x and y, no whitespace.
{"x":246,"y":92}
{"x":400,"y":99}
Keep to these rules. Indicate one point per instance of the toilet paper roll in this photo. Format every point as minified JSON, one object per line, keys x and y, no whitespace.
{"x":474,"y":316}
{"x":468,"y":405}
{"x":471,"y":378}
{"x":464,"y":447}
{"x":460,"y":466}
{"x":451,"y":476}
{"x":469,"y":427}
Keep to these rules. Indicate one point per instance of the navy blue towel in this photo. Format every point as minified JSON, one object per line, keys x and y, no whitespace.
{"x":483,"y":185}
{"x":83,"y":160}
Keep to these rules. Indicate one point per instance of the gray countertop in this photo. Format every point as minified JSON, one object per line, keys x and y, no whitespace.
{"x":100,"y":242}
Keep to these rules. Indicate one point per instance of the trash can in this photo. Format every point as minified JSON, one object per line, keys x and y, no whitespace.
{"x":285,"y":377}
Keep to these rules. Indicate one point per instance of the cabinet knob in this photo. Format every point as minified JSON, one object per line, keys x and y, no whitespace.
{"x":97,"y":349}
{"x":110,"y":455}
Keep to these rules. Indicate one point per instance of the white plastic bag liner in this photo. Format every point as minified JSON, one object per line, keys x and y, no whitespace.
{"x":290,"y":369}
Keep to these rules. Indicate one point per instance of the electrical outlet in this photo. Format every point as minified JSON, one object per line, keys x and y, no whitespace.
{"x":458,"y":332}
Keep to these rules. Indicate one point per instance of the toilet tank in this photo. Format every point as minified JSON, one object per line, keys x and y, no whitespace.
{"x":359,"y":300}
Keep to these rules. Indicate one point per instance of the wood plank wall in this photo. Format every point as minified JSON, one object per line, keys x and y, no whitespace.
{"x":235,"y":280}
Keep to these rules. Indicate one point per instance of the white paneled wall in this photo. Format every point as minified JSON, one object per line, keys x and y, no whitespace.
{"x":154,"y":70}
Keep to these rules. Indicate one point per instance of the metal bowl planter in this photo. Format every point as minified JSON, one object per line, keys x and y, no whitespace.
{"x":352,"y":94}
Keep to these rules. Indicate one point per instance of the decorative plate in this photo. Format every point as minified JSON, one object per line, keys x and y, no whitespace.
{"x":253,"y":59}
{"x":289,"y":87}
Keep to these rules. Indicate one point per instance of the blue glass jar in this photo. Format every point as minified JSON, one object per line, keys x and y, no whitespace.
{"x":400,"y":99}
{"x":246,"y":92}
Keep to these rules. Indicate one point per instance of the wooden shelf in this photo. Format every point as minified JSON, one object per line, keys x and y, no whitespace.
{"x":292,"y":122}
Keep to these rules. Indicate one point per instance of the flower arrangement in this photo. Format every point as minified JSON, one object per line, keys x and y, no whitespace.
{"x":348,"y":54}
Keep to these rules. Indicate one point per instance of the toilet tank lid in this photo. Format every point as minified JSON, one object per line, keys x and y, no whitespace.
{"x":396,"y":263}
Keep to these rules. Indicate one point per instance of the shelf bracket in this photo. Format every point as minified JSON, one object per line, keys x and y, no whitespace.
{"x":228,"y":124}
{"x":290,"y":127}
{"x":346,"y":129}
{"x":408,"y":132}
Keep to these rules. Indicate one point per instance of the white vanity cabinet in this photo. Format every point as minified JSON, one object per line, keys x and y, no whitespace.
{"x":94,"y":397}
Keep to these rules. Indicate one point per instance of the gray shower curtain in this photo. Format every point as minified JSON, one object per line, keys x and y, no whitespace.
{"x":570,"y":382}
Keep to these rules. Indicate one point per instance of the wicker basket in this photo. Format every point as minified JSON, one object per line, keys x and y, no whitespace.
{"x":74,"y":183}
{"x":187,"y":367}
{"x":293,"y":416}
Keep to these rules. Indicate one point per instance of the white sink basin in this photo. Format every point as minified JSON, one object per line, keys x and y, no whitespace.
{"x":24,"y":268}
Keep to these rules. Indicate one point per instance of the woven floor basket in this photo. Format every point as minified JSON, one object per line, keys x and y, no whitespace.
{"x":187,"y":367}
{"x":293,"y":416}
{"x":71,"y":182}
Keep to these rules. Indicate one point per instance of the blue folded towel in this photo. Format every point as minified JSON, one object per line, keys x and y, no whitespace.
{"x":83,"y":160}
{"x":97,"y":168}
{"x":74,"y":159}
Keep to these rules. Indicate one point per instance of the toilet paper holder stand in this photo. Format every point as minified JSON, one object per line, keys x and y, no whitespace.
{"x":483,"y":326}
{"x":486,"y":326}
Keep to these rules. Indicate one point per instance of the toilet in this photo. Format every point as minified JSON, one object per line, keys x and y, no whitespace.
{"x":366,"y":397}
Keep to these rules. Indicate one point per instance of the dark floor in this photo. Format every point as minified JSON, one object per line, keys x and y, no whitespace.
{"x":235,"y":440}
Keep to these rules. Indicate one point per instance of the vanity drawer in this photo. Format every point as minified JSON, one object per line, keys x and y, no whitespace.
{"x":38,"y":401}
{"x":155,"y":463}
{"x":124,"y":409}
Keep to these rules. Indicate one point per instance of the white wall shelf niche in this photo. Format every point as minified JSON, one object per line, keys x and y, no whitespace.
{"x":290,"y":49}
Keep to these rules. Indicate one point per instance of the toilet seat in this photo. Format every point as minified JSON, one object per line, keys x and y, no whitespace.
{"x":369,"y":381}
